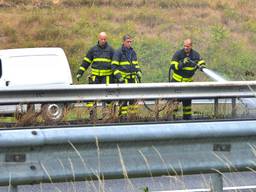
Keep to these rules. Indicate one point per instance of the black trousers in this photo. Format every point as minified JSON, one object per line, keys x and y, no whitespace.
{"x":186,"y":107}
{"x":126,"y":105}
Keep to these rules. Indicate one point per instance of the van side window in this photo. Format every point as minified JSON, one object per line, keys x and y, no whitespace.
{"x":0,"y":68}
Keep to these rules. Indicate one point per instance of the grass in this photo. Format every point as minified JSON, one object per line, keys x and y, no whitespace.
{"x":223,"y":31}
{"x":161,"y":111}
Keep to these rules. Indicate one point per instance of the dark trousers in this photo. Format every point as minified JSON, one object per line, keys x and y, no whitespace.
{"x":94,"y":79}
{"x":126,"y":105}
{"x":186,"y":107}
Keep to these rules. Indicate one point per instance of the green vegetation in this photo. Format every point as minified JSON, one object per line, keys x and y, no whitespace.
{"x":224,"y":31}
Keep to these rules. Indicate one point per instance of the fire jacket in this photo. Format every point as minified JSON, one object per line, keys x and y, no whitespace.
{"x":99,"y":57}
{"x":125,"y":64}
{"x":184,"y":66}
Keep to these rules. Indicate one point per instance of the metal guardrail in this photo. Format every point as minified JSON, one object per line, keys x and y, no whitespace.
{"x":74,"y":93}
{"x":125,"y":151}
{"x":122,"y":151}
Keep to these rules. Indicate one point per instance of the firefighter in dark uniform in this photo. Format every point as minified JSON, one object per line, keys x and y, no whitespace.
{"x":99,"y":57}
{"x":184,"y":64}
{"x":126,"y":70}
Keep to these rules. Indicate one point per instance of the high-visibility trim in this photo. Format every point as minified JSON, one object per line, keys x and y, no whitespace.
{"x":93,"y":78}
{"x":201,"y":62}
{"x":187,"y":112}
{"x":127,"y":75}
{"x":87,"y":59}
{"x":176,"y":64}
{"x":135,"y":62}
{"x":137,"y":67}
{"x":107,"y":80}
{"x":124,"y":112}
{"x":102,"y":72}
{"x":82,"y":68}
{"x":115,"y":63}
{"x":116,"y":72}
{"x":180,"y":78}
{"x":90,"y":104}
{"x":124,"y":107}
{"x":101,"y":60}
{"x":187,"y":108}
{"x":189,"y":68}
{"x":124,"y":63}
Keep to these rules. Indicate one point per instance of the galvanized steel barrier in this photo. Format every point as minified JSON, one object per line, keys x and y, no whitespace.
{"x":74,"y":93}
{"x":125,"y":151}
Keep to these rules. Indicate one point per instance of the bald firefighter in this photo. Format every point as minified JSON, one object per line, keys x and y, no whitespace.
{"x":184,"y":64}
{"x":99,"y":58}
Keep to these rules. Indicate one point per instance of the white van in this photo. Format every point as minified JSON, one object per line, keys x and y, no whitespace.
{"x":34,"y":66}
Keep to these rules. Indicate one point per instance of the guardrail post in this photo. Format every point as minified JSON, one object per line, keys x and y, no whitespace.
{"x":13,"y":188}
{"x":216,"y":182}
{"x":233,"y":107}
{"x":216,"y":107}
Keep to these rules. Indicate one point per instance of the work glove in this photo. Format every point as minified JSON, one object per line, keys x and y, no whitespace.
{"x":200,"y":67}
{"x":121,"y":80}
{"x":79,"y":74}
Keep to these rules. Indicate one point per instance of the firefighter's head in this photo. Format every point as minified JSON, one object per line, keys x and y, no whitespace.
{"x":187,"y":45}
{"x":102,"y":38}
{"x":127,"y":41}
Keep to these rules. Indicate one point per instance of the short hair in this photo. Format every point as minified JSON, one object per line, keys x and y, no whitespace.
{"x":127,"y":36}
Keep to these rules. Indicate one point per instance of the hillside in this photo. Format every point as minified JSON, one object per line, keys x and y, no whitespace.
{"x":224,"y":31}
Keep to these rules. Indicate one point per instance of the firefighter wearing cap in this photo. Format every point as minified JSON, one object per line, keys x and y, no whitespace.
{"x":184,"y":63}
{"x":126,"y":70}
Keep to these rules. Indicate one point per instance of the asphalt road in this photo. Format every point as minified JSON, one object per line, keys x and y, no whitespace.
{"x":241,"y":181}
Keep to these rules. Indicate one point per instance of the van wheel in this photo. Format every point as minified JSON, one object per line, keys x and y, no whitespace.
{"x":53,"y":112}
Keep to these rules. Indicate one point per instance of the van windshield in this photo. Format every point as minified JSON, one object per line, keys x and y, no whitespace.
{"x":0,"y":68}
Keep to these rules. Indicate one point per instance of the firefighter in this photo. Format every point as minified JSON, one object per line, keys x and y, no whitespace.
{"x":184,"y":64}
{"x":99,"y":57}
{"x":126,"y":69}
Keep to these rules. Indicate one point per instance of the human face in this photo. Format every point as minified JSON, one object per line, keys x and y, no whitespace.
{"x":128,"y":43}
{"x":187,"y":47}
{"x":102,"y":40}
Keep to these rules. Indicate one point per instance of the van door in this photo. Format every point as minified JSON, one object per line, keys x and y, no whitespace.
{"x":2,"y":80}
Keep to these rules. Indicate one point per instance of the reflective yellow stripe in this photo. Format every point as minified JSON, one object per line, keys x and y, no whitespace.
{"x":124,"y":107}
{"x":115,"y":63}
{"x":135,"y":62}
{"x":82,"y":68}
{"x":88,"y":60}
{"x":101,"y":60}
{"x":127,"y":75}
{"x":124,"y":113}
{"x":124,"y":63}
{"x":130,"y":76}
{"x":188,"y":68}
{"x":176,"y":64}
{"x":180,"y":78}
{"x":89,"y":104}
{"x":107,"y":80}
{"x":201,"y":62}
{"x":116,"y":72}
{"x":187,"y":108}
{"x":101,"y":72}
{"x":93,"y":78}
